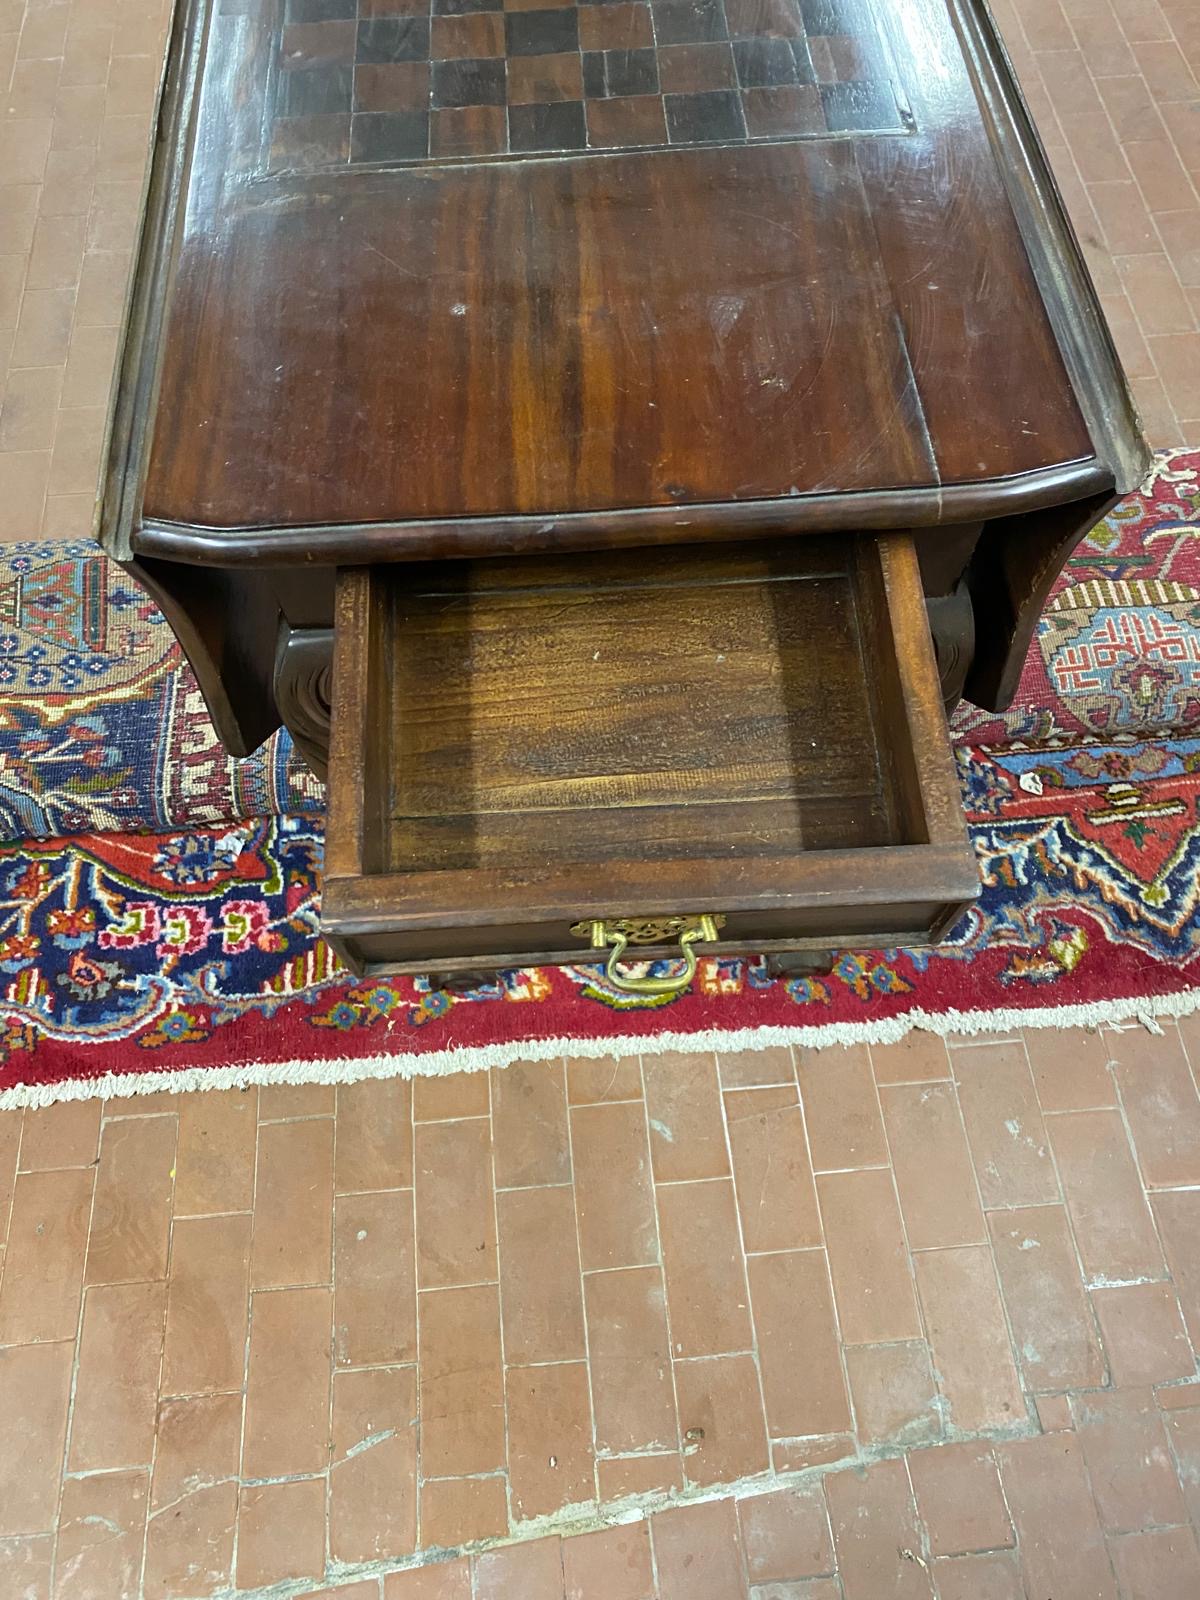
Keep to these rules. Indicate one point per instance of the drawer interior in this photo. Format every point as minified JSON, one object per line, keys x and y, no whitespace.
{"x":711,"y":709}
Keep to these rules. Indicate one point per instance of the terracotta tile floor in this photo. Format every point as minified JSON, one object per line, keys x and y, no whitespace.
{"x":314,"y":1335}
{"x":301,"y":1337}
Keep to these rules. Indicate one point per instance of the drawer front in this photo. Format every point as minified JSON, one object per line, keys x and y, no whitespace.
{"x":753,"y":733}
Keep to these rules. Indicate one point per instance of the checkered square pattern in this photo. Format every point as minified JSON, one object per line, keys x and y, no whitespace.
{"x":401,"y":81}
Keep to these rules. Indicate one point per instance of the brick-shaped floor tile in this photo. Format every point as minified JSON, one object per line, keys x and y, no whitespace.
{"x":969,"y":1338}
{"x":1161,"y":1102}
{"x":698,"y":1552}
{"x":462,"y":1386}
{"x":449,"y":1096}
{"x":1059,"y":1537}
{"x":786,"y":1535}
{"x":1124,"y":1444}
{"x":10,"y":1140}
{"x":374,"y":1279}
{"x":919,"y":1057}
{"x":101,"y":1530}
{"x":895,"y":1394}
{"x":281,"y":1532}
{"x":374,"y":1136}
{"x":531,"y":1571}
{"x":47,"y":1234}
{"x":373,"y":1482}
{"x":456,"y":1511}
{"x":630,"y":1359}
{"x":218,"y":1130}
{"x":550,"y":1460}
{"x":35,"y":1382}
{"x":704,"y":1269}
{"x":938,"y":1198}
{"x":131,"y":1215}
{"x":529,"y":1124}
{"x":772,"y":1172}
{"x":872,"y":1281}
{"x":803,"y":1385}
{"x":1052,"y":1324}
{"x":993,"y":1575}
{"x":65,"y":1135}
{"x":440,"y":1580}
{"x":542,"y":1300}
{"x":620,"y":1476}
{"x":1143,"y":1334}
{"x":1159,"y":1564}
{"x":683,"y":1108}
{"x":116,"y":1389}
{"x":750,"y":1069}
{"x":801,"y":1455}
{"x":875,"y":1534}
{"x":1104,"y":1196}
{"x":592,"y":1083}
{"x":721,"y":1419}
{"x":841,"y":1108}
{"x":456,"y":1211}
{"x":287,"y":1383}
{"x":25,"y":1567}
{"x":293,"y":1205}
{"x":1070,"y":1068}
{"x":1183,"y":1431}
{"x":1178,"y":1218}
{"x":613,"y":1564}
{"x":959,"y":1499}
{"x":199,"y":1443}
{"x":208,"y":1305}
{"x":189,"y":1544}
{"x":286,"y":1102}
{"x":1004,"y":1125}
{"x":612,"y":1185}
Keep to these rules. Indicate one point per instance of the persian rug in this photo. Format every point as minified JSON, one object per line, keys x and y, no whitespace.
{"x":190,"y":958}
{"x":102,"y":726}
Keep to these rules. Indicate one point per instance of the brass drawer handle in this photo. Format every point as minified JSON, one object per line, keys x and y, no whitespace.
{"x":620,"y":934}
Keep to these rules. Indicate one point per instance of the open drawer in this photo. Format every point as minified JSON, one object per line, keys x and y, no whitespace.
{"x":740,"y":747}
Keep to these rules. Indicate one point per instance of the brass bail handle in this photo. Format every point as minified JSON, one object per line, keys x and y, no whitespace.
{"x":690,"y":932}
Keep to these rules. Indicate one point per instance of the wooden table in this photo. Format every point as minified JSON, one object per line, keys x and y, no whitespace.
{"x":445,"y":281}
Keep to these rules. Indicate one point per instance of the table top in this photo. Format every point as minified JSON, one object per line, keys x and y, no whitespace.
{"x":440,"y":276}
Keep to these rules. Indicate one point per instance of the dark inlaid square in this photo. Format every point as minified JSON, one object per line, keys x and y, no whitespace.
{"x":858,"y":105}
{"x":398,"y":86}
{"x":468,"y":83}
{"x":617,"y":27}
{"x":541,"y":33}
{"x":536,"y":80}
{"x":316,"y":91}
{"x":389,"y":136}
{"x":319,"y":10}
{"x":619,"y":124}
{"x":316,"y":44}
{"x":705,"y":118}
{"x":610,"y":74}
{"x":851,"y":59}
{"x":460,"y":8}
{"x":692,"y":68}
{"x":392,"y":8}
{"x":782,"y":113}
{"x":533,"y":5}
{"x":469,"y":131}
{"x":688,"y":21}
{"x":552,"y":127}
{"x":393,"y":39}
{"x":300,"y":143}
{"x":764,"y":19}
{"x":480,"y":33}
{"x":764,"y":63}
{"x":835,"y":16}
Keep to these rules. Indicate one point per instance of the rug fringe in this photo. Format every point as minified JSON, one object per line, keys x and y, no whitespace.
{"x":1143,"y":1010}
